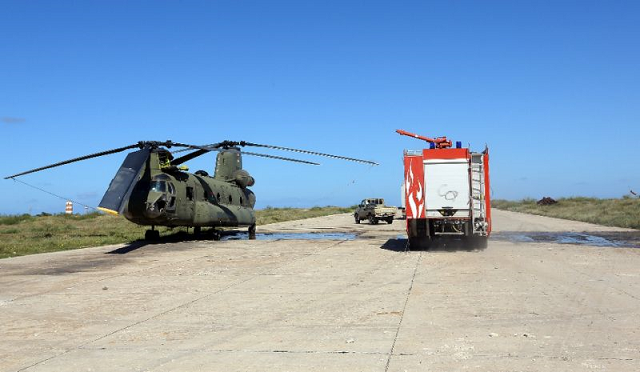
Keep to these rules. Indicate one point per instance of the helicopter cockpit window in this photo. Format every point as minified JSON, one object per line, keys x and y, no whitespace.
{"x":158,"y":186}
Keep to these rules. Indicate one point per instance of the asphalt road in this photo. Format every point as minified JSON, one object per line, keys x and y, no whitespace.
{"x":529,"y":302}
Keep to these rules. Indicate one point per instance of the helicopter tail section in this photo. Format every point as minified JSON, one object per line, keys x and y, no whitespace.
{"x":113,"y":201}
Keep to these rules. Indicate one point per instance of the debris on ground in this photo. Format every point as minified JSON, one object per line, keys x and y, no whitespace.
{"x":546,"y":201}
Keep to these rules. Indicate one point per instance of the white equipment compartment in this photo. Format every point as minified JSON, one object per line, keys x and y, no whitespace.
{"x":446,"y":186}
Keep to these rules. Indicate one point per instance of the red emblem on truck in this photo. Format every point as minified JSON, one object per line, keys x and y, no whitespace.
{"x":414,"y":186}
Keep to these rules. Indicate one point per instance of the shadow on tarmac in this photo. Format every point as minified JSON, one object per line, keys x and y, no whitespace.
{"x":183,"y":236}
{"x":437,"y":245}
{"x":177,"y":237}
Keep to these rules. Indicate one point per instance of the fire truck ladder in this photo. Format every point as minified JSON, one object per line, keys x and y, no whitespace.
{"x":477,"y":191}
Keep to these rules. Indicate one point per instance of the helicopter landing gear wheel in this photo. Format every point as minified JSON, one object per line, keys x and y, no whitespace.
{"x":152,"y":234}
{"x":252,"y":232}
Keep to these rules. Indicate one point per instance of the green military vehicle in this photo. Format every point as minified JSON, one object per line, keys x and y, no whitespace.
{"x":374,"y":210}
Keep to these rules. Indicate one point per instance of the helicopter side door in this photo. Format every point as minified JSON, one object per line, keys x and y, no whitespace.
{"x":191,"y":197}
{"x":185,"y":194}
{"x":171,"y":198}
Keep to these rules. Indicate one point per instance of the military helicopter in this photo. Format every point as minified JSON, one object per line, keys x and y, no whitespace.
{"x":153,"y":188}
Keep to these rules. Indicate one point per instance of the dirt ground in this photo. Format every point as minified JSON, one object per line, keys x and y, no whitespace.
{"x":546,"y":295}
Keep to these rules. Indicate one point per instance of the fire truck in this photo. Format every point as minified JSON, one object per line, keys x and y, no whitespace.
{"x":446,"y":192}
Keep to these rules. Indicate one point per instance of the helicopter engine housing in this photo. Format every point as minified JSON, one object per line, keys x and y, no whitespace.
{"x":243,"y":178}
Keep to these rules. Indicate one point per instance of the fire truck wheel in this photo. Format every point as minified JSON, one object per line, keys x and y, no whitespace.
{"x":481,"y":242}
{"x":356,"y":218}
{"x":419,"y":243}
{"x":476,"y":242}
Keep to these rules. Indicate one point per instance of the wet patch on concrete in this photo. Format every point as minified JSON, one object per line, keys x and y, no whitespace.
{"x":622,"y":239}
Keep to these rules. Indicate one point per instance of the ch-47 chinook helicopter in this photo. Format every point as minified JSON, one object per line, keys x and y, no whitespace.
{"x":152,"y":187}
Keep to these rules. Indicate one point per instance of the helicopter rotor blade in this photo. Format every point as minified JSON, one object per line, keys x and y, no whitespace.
{"x":226,"y":144}
{"x":189,"y":156}
{"x":85,"y":157}
{"x":141,"y":144}
{"x":311,"y":153}
{"x":279,"y":158}
{"x":205,"y":149}
{"x":209,"y":147}
{"x":201,"y":151}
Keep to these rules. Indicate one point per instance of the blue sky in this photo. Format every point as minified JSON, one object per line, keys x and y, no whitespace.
{"x":553,"y":88}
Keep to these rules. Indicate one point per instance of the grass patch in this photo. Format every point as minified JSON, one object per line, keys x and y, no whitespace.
{"x":14,"y":220}
{"x":272,"y":215}
{"x":39,"y":234}
{"x":624,"y":212}
{"x":25,"y":234}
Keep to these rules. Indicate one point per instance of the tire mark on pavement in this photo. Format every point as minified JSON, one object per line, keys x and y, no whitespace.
{"x":404,"y":308}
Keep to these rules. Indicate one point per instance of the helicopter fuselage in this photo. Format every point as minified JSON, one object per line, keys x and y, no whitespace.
{"x":165,"y":195}
{"x":185,"y":199}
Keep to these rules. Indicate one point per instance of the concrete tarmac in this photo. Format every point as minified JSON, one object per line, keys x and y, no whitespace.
{"x":528,"y":302}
